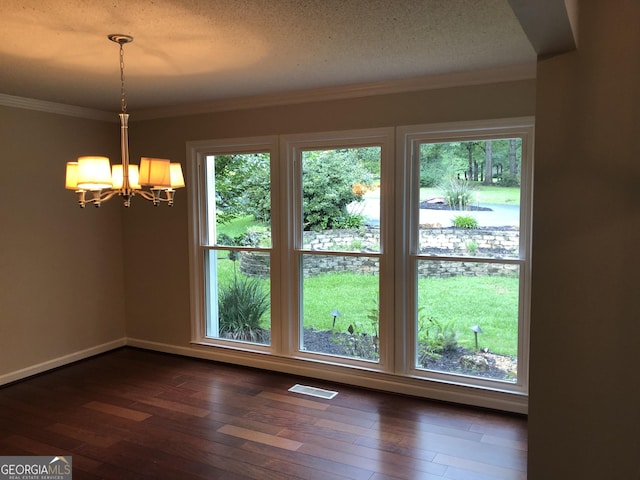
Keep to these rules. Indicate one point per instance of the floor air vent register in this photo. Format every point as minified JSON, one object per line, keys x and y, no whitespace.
{"x":313,"y":391}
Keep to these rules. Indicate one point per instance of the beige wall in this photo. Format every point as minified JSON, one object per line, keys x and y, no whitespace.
{"x":62,"y":288}
{"x":61,"y":270}
{"x":159,"y":311}
{"x":585,"y":331}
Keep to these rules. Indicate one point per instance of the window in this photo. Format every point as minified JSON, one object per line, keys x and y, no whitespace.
{"x":234,"y":241}
{"x":341,"y":245}
{"x":467,"y":251}
{"x":403,"y":252}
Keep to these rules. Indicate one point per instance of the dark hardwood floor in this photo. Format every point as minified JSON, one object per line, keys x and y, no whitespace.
{"x":134,"y":414}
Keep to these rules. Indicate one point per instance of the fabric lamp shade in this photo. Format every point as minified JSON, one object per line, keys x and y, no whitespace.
{"x":71,"y":182}
{"x":177,"y":179}
{"x":118,"y":180}
{"x":155,"y":172}
{"x":94,"y":173}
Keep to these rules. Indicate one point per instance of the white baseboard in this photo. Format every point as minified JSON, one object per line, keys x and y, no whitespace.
{"x":61,"y":361}
{"x":505,"y":401}
{"x":465,"y":395}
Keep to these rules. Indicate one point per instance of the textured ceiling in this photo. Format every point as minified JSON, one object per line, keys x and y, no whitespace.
{"x":189,"y":51}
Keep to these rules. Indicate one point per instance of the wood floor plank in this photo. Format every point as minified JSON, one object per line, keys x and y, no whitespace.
{"x":229,"y":457}
{"x":301,"y":402}
{"x":34,"y":446}
{"x":310,"y":467}
{"x":136,"y":414}
{"x":499,"y":456}
{"x":281,"y":417}
{"x":84,"y":435}
{"x":349,"y":416}
{"x":175,"y":406}
{"x":382,"y":476}
{"x":378,"y":434}
{"x":498,"y":427}
{"x":147,"y":462}
{"x":505,"y":442}
{"x":497,"y":473}
{"x":128,"y":413}
{"x":377,"y":453}
{"x":259,"y":437}
{"x":248,"y":422}
{"x":407,"y":471}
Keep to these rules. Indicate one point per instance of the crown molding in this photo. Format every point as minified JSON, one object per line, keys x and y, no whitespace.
{"x":431,"y":82}
{"x":57,"y":108}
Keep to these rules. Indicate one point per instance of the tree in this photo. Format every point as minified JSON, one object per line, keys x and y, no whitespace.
{"x":477,"y":160}
{"x":506,"y":157}
{"x":329,"y":180}
{"x":488,"y":166}
{"x":437,"y":161}
{"x":471,"y":150}
{"x":242,"y":186}
{"x":512,"y":157}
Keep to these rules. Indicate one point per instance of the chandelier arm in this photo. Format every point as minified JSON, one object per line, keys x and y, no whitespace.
{"x":97,"y":197}
{"x":107,"y":195}
{"x":167,"y":191}
{"x":151,"y":195}
{"x":145,"y":194}
{"x":125,"y":190}
{"x":81,"y":198}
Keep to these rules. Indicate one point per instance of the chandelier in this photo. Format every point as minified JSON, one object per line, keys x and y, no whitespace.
{"x":94,"y":179}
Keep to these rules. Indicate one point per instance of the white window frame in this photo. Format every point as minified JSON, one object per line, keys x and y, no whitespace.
{"x":197,"y":153}
{"x":409,"y":140}
{"x":396,"y":369}
{"x":292,"y":147}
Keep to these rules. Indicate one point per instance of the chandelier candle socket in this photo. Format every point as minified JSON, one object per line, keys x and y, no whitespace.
{"x":95,"y":174}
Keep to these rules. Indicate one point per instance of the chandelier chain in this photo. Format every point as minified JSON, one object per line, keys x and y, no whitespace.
{"x":95,"y":176}
{"x":123,"y":98}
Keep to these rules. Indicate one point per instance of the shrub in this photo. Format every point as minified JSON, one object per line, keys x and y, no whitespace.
{"x":472,"y":247}
{"x":241,"y":306}
{"x":332,"y":180}
{"x":509,"y":180}
{"x":359,"y":344}
{"x":329,"y":178}
{"x":458,"y":193}
{"x":255,"y":236}
{"x":461,"y":221}
{"x":431,"y":172}
{"x":434,"y":337}
{"x":224,"y":239}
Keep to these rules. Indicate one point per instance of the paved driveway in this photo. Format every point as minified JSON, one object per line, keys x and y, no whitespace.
{"x":498,"y":216}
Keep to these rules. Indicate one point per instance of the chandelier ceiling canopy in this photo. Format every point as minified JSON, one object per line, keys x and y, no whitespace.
{"x":95,"y":175}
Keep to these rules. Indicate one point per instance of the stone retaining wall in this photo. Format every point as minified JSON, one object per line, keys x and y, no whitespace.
{"x":481,"y":242}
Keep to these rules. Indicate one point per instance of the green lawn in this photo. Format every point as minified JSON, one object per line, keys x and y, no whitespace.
{"x":483,"y":194}
{"x":353,"y":295}
{"x":491,"y":302}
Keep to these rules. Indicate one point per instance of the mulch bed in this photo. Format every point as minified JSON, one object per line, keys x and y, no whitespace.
{"x":461,"y":361}
{"x":436,"y":204}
